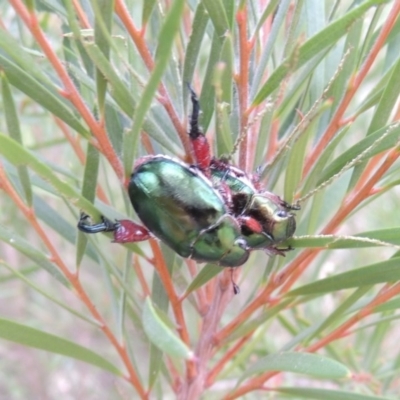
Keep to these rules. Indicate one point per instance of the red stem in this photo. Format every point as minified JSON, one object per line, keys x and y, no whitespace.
{"x":69,"y":91}
{"x":242,"y":83}
{"x":73,"y":278}
{"x":193,"y":388}
{"x":176,"y":305}
{"x":342,"y":331}
{"x":140,"y":43}
{"x":354,"y":84}
{"x":74,"y":142}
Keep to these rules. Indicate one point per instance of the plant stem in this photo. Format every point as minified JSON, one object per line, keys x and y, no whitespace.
{"x":354,"y":84}
{"x":69,"y":91}
{"x":73,"y":278}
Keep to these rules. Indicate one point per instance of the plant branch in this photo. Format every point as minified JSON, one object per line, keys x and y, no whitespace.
{"x":140,"y":43}
{"x":69,"y":91}
{"x":74,"y":142}
{"x":354,"y":84}
{"x":73,"y":278}
{"x":342,"y":331}
{"x":194,"y":388}
{"x":245,"y":47}
{"x":176,"y":304}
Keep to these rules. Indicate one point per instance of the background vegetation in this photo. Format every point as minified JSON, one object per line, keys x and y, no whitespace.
{"x":308,"y":90}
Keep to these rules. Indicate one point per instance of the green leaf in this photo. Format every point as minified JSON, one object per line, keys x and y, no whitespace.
{"x":19,"y":155}
{"x":89,"y":192}
{"x":375,"y":141}
{"x":27,"y":336}
{"x":163,"y":55}
{"x":14,"y":131}
{"x":218,"y":17}
{"x":337,"y":315}
{"x":321,"y":41}
{"x":387,"y":102}
{"x":192,"y":52}
{"x":299,"y":363}
{"x":385,"y":271}
{"x":207,"y":97}
{"x":47,"y":97}
{"x":120,"y":91}
{"x":206,"y":274}
{"x":161,"y":335}
{"x":24,"y":247}
{"x":103,"y":12}
{"x":384,"y":237}
{"x":327,"y":394}
{"x":278,"y":20}
{"x":148,"y":6}
{"x":250,"y":326}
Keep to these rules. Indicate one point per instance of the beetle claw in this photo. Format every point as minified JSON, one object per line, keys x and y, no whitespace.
{"x":110,"y":226}
{"x":106,"y":225}
{"x":235,"y":286}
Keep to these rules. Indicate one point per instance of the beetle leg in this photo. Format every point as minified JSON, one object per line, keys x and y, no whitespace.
{"x":105,"y":226}
{"x":276,"y":199}
{"x":255,"y":178}
{"x":125,"y":231}
{"x":226,"y":194}
{"x":295,"y":206}
{"x":235,"y":286}
{"x":279,"y":252}
{"x":200,"y":146}
{"x":250,"y":223}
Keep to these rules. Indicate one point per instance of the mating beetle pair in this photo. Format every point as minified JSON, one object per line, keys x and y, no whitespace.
{"x":210,"y":211}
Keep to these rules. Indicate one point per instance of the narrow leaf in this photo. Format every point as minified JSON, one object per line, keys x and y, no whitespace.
{"x":218,"y":16}
{"x":148,"y":6}
{"x":385,"y":271}
{"x":27,"y":336}
{"x":161,"y":335}
{"x":14,"y":131}
{"x":24,"y":247}
{"x":89,"y":192}
{"x":206,"y":274}
{"x":300,"y":363}
{"x":326,"y":394}
{"x":47,"y":97}
{"x":19,"y":155}
{"x":103,"y":11}
{"x":384,"y":237}
{"x":383,"y":139}
{"x":192,"y":52}
{"x":207,"y":97}
{"x":321,"y":41}
{"x":119,"y":91}
{"x":163,"y":55}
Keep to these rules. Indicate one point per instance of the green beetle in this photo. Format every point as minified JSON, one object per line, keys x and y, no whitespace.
{"x":178,"y":205}
{"x":266,"y":220}
{"x":210,"y":211}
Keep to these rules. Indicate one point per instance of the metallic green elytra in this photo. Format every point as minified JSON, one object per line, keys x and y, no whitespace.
{"x":179,"y":206}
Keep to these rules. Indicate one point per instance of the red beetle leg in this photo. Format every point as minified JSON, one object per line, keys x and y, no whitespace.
{"x":201,"y":150}
{"x":128,"y":231}
{"x":200,"y":146}
{"x":124,"y":231}
{"x":251,"y":224}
